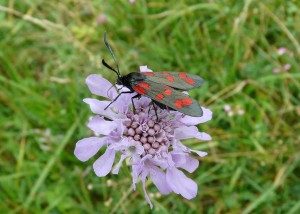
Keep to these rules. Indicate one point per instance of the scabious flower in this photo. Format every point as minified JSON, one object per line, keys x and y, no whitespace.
{"x":152,"y":145}
{"x":282,"y":51}
{"x":101,"y":19}
{"x":228,"y":110}
{"x":231,"y":112}
{"x":276,"y":70}
{"x":287,"y":67}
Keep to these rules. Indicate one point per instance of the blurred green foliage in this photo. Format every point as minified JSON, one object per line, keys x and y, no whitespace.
{"x":48,"y":48}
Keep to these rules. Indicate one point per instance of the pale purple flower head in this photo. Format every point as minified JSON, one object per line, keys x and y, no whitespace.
{"x":287,"y":67}
{"x":276,"y":70}
{"x":282,"y":51}
{"x":101,"y":19}
{"x":153,"y":146}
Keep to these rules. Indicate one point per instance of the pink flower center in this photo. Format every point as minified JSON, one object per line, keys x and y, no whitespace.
{"x":155,"y":136}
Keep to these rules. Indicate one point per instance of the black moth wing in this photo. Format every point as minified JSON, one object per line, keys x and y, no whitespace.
{"x":178,"y":80}
{"x":168,"y":96}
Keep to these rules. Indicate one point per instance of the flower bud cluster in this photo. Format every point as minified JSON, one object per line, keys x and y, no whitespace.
{"x":155,"y":136}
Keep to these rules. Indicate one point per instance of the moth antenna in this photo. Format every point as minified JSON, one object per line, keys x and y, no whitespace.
{"x":112,"y":54}
{"x":109,"y":67}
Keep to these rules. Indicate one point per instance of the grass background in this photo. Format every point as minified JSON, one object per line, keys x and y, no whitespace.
{"x":48,"y":48}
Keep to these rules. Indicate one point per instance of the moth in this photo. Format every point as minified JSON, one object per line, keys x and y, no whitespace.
{"x":163,"y":88}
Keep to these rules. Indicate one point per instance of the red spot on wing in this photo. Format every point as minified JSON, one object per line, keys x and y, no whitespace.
{"x":150,"y":74}
{"x":178,"y":103}
{"x":144,"y":85}
{"x":165,"y":72}
{"x":183,"y":102}
{"x":168,"y":91}
{"x":182,"y":75}
{"x":190,"y":81}
{"x":170,"y":78}
{"x":186,"y":101}
{"x":160,"y":96}
{"x":139,"y":90}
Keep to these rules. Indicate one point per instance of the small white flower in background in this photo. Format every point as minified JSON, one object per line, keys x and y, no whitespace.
{"x":240,"y":112}
{"x":101,"y":19}
{"x":282,"y":51}
{"x":287,"y":67}
{"x":90,"y":186}
{"x":276,"y":70}
{"x":109,"y":182}
{"x":227,"y":107}
{"x":108,"y":202}
{"x":230,"y":112}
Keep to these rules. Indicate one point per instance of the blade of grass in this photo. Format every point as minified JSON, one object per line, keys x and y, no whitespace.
{"x":283,"y":27}
{"x":50,"y":164}
{"x":294,"y":209}
{"x":279,"y":179}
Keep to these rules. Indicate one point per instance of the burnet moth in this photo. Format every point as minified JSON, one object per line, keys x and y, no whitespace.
{"x":163,"y":88}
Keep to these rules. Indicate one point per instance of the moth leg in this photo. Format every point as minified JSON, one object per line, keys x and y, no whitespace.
{"x":149,"y":107}
{"x":134,"y":97}
{"x":120,"y":88}
{"x":125,"y":92}
{"x":155,"y":110}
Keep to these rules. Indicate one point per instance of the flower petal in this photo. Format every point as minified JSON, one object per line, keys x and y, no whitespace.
{"x":191,"y":121}
{"x":88,"y":147}
{"x":200,"y":153}
{"x":143,"y":179}
{"x":144,"y":68}
{"x":159,"y":179}
{"x":179,"y":147}
{"x":102,"y":126}
{"x":100,"y":86}
{"x":181,"y":184}
{"x":116,"y":169}
{"x":98,"y":107}
{"x":135,"y":148}
{"x":135,"y":175}
{"x":185,"y":132}
{"x":124,"y":102}
{"x":203,"y":136}
{"x":184,"y":161}
{"x":103,"y":165}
